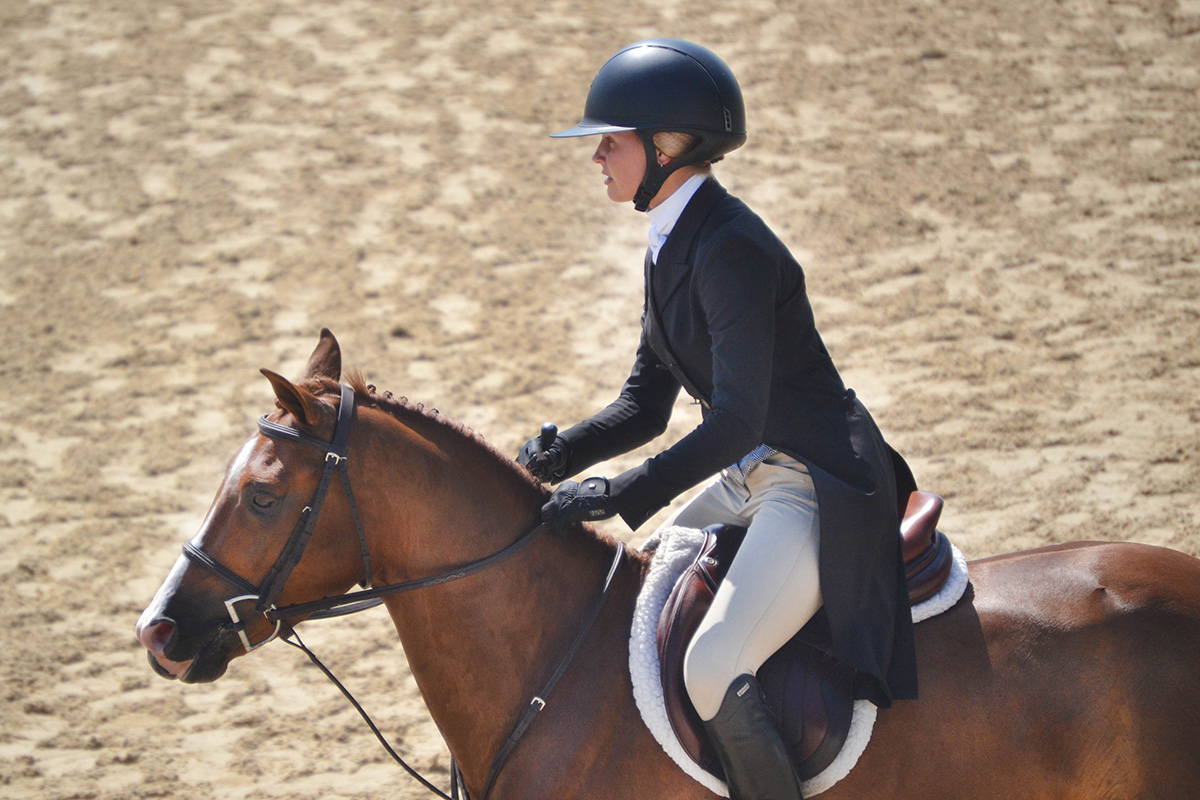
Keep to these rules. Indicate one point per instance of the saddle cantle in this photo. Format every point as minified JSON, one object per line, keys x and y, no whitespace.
{"x":807,"y":690}
{"x":928,"y":557}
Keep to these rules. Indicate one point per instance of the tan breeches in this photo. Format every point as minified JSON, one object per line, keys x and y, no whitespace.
{"x":772,"y":588}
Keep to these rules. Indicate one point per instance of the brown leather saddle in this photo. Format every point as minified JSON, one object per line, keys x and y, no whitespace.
{"x":808,"y":690}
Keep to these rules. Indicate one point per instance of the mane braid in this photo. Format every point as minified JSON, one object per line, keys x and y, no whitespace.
{"x":399,"y":407}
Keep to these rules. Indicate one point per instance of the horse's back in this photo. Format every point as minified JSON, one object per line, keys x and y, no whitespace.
{"x":1112,"y":578}
{"x":1067,"y":671}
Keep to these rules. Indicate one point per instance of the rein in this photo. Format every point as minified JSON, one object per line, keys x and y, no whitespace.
{"x":369,"y":598}
{"x":264,"y":596}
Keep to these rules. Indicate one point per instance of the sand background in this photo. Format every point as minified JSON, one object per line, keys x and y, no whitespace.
{"x":995,"y":202}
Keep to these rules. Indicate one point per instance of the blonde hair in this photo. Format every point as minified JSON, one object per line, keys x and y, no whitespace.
{"x":673,"y":144}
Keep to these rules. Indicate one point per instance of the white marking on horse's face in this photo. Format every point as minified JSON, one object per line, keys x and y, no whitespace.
{"x":154,"y":611}
{"x":239,"y":463}
{"x":237,"y":466}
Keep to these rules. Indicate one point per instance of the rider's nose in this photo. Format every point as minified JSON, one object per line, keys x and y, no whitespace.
{"x":157,"y":635}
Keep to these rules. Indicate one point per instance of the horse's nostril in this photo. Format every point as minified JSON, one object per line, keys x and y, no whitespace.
{"x":157,"y":636}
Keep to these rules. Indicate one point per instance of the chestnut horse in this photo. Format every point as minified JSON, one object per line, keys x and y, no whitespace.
{"x":1066,"y":672}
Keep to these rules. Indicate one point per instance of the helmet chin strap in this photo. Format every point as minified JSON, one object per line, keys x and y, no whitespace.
{"x":656,"y":174}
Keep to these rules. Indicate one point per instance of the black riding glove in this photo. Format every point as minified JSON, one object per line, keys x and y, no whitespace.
{"x":575,"y":502}
{"x":545,"y":463}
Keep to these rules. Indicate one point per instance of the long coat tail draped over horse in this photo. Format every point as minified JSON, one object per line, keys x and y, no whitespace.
{"x":1065,"y":672}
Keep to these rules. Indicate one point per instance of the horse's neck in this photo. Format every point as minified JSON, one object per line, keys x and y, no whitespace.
{"x":480,"y":647}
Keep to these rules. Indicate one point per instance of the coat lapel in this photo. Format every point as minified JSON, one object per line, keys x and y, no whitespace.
{"x":672,"y":268}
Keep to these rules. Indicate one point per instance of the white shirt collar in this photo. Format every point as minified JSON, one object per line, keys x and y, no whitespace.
{"x":664,"y":215}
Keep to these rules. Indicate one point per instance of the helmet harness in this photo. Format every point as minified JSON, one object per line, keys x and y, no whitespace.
{"x":666,"y":85}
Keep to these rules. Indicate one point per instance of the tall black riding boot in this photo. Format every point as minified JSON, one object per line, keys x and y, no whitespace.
{"x":751,"y":749}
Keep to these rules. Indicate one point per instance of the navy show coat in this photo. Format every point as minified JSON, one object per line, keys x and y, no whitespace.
{"x":727,"y":318}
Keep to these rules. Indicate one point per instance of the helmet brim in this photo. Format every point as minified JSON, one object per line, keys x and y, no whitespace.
{"x":587,"y":127}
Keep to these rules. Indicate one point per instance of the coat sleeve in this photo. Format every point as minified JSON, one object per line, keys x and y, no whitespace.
{"x":734,"y":280}
{"x":640,"y":413}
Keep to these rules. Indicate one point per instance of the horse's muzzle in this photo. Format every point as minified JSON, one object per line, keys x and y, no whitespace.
{"x":161,"y":637}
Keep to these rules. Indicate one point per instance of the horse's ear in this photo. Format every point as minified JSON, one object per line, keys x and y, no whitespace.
{"x":299,"y":402}
{"x":326,"y":359}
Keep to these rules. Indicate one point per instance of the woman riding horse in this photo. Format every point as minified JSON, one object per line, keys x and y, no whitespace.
{"x":1065,"y":672}
{"x":801,"y":462}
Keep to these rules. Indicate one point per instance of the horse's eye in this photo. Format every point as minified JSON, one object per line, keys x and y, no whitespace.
{"x":263,"y":501}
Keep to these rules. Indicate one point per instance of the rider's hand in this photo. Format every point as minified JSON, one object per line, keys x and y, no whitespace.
{"x":546,"y":455}
{"x":575,"y":502}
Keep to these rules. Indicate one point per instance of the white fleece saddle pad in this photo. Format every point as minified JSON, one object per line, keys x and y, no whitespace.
{"x":674,"y":549}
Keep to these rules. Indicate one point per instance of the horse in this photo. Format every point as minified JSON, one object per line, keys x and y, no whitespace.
{"x":1065,"y":672}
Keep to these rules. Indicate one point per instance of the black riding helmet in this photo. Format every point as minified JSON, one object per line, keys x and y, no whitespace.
{"x":662,"y":85}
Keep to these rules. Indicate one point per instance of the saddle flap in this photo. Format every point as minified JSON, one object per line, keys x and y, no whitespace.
{"x":809,"y":692}
{"x":686,"y":606}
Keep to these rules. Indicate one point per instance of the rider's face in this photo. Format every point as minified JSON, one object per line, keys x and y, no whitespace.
{"x":622,"y":159}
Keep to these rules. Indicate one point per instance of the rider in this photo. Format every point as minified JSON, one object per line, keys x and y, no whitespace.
{"x":801,"y":462}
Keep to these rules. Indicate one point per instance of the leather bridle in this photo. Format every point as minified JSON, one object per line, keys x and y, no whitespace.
{"x":265,"y":595}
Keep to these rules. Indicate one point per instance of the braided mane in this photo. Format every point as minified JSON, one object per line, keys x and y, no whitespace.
{"x":401,"y":408}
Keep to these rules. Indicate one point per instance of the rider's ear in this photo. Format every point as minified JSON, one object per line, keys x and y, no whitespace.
{"x":326,"y":359}
{"x":299,"y":402}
